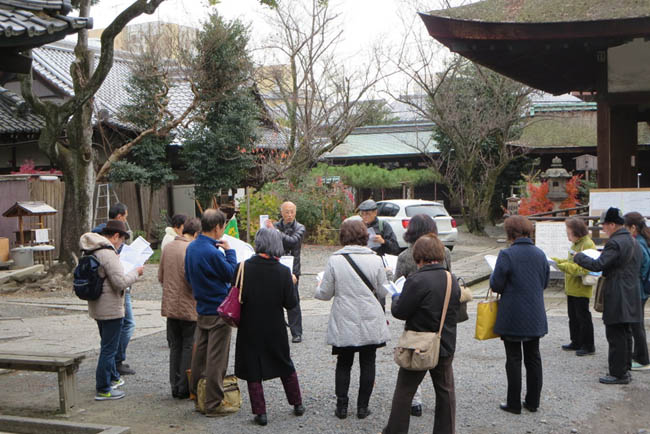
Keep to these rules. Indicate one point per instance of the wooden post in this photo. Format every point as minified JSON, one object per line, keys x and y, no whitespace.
{"x":248,"y":215}
{"x":20,"y":228}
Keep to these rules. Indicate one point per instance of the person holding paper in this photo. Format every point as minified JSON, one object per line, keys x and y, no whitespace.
{"x":179,"y":307}
{"x":419,"y":225}
{"x":119,"y":211}
{"x":581,"y":327}
{"x":421,"y":305}
{"x":635,"y":223}
{"x":620,"y":263}
{"x":108,"y":309}
{"x":521,"y":274}
{"x":355,"y":278}
{"x":383,"y":238}
{"x":292,"y":235}
{"x":262,"y":350}
{"x":209,"y":272}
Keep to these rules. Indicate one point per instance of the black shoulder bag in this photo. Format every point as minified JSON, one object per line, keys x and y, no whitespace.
{"x":363,"y":277}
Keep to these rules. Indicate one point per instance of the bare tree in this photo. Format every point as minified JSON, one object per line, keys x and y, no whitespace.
{"x":476,"y":113}
{"x":318,"y":100}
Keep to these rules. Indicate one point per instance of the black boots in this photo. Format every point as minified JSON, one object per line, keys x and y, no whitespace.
{"x":341,"y":408}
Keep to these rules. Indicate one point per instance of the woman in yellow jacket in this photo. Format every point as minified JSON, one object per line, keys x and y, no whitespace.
{"x":581,"y":328}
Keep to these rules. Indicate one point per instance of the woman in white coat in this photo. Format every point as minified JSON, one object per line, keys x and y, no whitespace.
{"x":357,"y":322}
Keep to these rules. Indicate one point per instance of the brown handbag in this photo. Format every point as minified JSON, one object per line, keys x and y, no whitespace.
{"x":420,"y":351}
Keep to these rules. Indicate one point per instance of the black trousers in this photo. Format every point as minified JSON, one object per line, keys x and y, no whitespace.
{"x":640,"y":352}
{"x":619,"y":338}
{"x":294,"y":316}
{"x":344,"y":362}
{"x":581,"y":327}
{"x":533,"y":363}
{"x":408,"y":382}
{"x":180,"y":338}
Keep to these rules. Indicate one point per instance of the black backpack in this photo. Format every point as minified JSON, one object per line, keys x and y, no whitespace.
{"x":87,"y":282}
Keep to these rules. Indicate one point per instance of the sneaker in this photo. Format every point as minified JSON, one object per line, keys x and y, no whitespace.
{"x":221,"y":410}
{"x":107,"y":396}
{"x":610,"y":379}
{"x":639,"y":367}
{"x":117,"y":383}
{"x":296,"y":339}
{"x":125,"y":369}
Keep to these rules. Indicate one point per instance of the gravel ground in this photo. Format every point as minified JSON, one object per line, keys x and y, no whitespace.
{"x":572,"y":398}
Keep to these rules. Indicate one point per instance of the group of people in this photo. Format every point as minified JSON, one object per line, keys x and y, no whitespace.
{"x":198,"y":269}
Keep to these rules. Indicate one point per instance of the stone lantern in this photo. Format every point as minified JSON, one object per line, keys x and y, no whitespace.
{"x":557,"y":177}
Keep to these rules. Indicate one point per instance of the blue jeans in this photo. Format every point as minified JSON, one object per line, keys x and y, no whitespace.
{"x":109,"y":331}
{"x":128,"y":327}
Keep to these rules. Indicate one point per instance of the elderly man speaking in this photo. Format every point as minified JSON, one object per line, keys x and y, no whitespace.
{"x":292,"y":236}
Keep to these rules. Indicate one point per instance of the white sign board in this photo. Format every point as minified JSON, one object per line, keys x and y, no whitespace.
{"x":551,"y":238}
{"x":626,"y":199}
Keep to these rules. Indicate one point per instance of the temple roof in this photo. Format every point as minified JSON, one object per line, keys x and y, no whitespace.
{"x":557,"y":46}
{"x":547,"y":11}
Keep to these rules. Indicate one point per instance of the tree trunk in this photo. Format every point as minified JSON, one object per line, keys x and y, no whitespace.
{"x":147,"y":227}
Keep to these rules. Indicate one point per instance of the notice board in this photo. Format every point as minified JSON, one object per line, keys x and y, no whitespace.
{"x":626,"y":199}
{"x":551,"y":238}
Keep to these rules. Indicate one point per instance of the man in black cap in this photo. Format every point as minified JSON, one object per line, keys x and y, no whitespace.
{"x":384,"y":242}
{"x":620,"y":263}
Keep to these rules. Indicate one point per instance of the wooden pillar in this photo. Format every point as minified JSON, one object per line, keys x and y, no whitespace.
{"x":617,"y":145}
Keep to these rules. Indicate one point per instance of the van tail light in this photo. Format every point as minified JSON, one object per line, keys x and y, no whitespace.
{"x":453,"y":223}
{"x":405,"y":223}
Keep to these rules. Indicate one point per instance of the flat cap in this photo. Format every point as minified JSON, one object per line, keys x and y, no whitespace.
{"x":612,"y":215}
{"x":368,"y":205}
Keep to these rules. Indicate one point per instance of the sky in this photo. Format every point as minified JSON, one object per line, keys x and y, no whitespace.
{"x":365,"y":22}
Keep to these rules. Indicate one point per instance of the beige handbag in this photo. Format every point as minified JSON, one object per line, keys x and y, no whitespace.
{"x":419,"y":351}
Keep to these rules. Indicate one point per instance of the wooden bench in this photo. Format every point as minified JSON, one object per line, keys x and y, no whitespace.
{"x":65,"y":365}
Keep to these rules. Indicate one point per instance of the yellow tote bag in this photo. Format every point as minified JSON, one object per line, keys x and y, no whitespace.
{"x":486,"y":317}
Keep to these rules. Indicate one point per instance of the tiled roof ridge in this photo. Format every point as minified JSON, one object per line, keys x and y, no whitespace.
{"x":62,"y":6}
{"x":13,"y":100}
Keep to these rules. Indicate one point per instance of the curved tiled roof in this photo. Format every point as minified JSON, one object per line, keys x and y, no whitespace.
{"x":15,"y":117}
{"x":27,"y":23}
{"x":547,"y":11}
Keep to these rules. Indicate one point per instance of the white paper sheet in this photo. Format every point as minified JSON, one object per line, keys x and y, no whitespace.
{"x":319,"y":277}
{"x":592,"y":253}
{"x":42,"y":235}
{"x":263,"y":219}
{"x":135,"y":254}
{"x":287,"y":261}
{"x":491,"y":260}
{"x":395,"y":287}
{"x":243,"y":250}
{"x":371,"y":239}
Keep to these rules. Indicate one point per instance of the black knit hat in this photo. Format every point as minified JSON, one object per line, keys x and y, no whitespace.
{"x":612,"y":215}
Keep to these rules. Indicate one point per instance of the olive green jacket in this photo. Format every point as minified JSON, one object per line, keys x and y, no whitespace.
{"x":573,"y":272}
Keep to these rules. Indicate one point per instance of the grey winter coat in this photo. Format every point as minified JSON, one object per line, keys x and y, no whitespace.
{"x":620,"y":263}
{"x":109,"y":305}
{"x":357,"y":318}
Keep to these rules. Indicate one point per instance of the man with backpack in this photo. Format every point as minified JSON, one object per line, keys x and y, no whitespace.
{"x":384,"y":241}
{"x":108,"y":309}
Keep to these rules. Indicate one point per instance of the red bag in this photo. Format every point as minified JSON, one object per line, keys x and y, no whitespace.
{"x":230,"y":308}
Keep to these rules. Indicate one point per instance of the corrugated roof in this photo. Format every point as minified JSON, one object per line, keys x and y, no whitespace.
{"x":385,"y":141}
{"x":547,"y":11}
